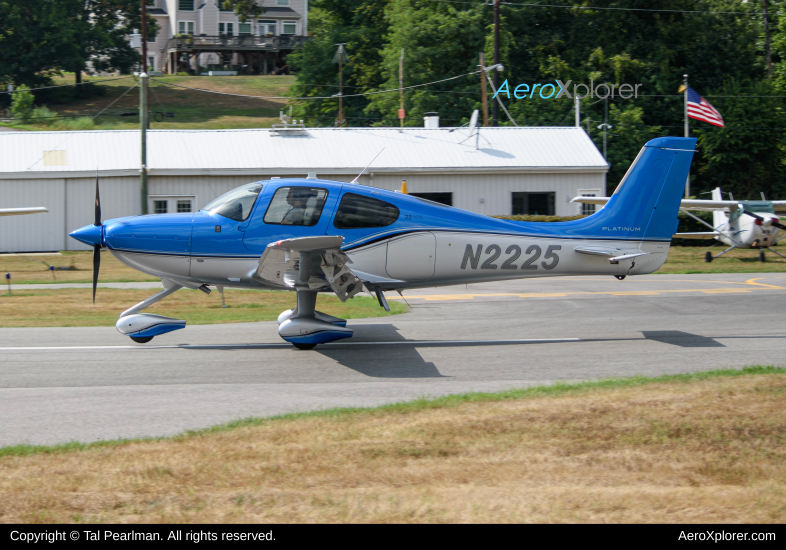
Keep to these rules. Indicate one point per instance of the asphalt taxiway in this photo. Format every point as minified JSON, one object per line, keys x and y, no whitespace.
{"x":88,"y":384}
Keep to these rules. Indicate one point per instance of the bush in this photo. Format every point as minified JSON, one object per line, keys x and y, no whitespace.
{"x":43,"y":116}
{"x":81,"y":123}
{"x":22,"y":104}
{"x":183,"y":73}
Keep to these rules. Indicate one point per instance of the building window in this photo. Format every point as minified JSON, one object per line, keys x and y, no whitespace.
{"x":152,"y":34}
{"x":289,"y":27}
{"x":533,"y":204}
{"x":165,"y":205}
{"x":358,"y":211}
{"x":185,"y":5}
{"x":186,"y":27}
{"x":159,"y":206}
{"x":296,"y":206}
{"x":267,"y":27}
{"x":226,"y":28}
{"x":441,"y":198}
{"x":244,"y":29}
{"x":282,"y":2}
{"x":587,"y":209}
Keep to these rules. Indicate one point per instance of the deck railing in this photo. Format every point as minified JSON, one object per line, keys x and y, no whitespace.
{"x":226,"y":42}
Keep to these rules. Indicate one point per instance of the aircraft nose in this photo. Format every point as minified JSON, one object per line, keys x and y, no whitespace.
{"x":89,"y":234}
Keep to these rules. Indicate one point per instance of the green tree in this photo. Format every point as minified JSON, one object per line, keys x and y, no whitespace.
{"x":747,"y":156}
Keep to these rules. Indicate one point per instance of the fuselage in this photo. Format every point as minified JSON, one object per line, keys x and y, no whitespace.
{"x":424,"y":245}
{"x":746,"y":231}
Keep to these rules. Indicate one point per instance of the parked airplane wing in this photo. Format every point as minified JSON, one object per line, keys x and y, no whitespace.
{"x":779,"y":206}
{"x":317,"y":262}
{"x":20,"y":211}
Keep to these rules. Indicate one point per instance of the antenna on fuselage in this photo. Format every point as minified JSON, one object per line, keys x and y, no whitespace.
{"x":367,"y":165}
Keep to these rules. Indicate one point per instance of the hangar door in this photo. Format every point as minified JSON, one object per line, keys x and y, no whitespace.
{"x":411,"y":257}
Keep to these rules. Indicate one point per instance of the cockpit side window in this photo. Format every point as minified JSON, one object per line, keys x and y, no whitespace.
{"x":296,"y":206}
{"x":237,"y":204}
{"x":359,"y":211}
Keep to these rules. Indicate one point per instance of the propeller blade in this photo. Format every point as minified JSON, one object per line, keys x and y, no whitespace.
{"x":772,"y":223}
{"x":98,"y":206}
{"x":96,"y":267}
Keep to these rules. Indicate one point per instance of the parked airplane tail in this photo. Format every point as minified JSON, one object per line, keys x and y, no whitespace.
{"x":719,"y":217}
{"x":645,"y":205}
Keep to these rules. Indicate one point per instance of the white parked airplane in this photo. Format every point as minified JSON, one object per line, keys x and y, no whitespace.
{"x":20,"y":211}
{"x":748,"y":224}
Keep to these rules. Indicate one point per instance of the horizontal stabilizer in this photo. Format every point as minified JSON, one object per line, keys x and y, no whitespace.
{"x":699,"y":235}
{"x":618,"y":259}
{"x":604,"y":250}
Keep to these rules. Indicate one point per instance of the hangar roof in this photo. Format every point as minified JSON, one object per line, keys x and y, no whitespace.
{"x":321,"y":150}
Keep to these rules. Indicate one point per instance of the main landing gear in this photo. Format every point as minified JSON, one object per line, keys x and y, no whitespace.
{"x":304,"y":327}
{"x":762,"y":257}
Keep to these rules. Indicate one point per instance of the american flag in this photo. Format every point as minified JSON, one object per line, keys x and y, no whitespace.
{"x":700,"y":109}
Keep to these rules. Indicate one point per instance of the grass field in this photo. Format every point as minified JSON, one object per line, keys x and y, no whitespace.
{"x":34,"y":269}
{"x":700,"y":448}
{"x":192,"y":109}
{"x":73,"y":307}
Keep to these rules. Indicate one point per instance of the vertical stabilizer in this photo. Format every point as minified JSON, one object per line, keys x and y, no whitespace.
{"x":719,"y":217}
{"x":645,"y":205}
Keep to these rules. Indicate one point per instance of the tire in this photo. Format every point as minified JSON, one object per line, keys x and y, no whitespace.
{"x":305,"y":346}
{"x":708,"y":256}
{"x":762,"y":257}
{"x":141,"y":339}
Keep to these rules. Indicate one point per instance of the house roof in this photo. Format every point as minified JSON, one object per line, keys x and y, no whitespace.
{"x":321,"y":150}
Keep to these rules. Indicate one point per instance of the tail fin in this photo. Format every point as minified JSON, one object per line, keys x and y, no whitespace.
{"x":719,"y":217}
{"x":646,"y":202}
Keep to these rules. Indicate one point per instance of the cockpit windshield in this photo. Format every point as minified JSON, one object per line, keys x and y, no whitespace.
{"x":237,"y":204}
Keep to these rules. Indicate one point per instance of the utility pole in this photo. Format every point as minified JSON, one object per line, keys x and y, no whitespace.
{"x":767,"y":38}
{"x":578,"y":110}
{"x":401,"y":112}
{"x":340,"y":57}
{"x":496,"y":58}
{"x":687,"y":131}
{"x":483,"y":89}
{"x":143,"y":108}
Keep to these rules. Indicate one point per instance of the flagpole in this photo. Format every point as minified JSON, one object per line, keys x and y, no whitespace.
{"x":687,"y":132}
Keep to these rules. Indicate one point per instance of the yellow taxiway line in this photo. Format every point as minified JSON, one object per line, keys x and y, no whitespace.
{"x":750,"y":282}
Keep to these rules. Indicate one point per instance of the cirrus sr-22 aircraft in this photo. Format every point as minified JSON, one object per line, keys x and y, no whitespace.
{"x":312,"y":236}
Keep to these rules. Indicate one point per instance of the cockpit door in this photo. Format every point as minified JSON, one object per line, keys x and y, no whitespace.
{"x":289,"y":210}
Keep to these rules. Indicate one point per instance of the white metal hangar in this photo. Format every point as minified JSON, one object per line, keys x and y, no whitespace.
{"x":512,"y":170}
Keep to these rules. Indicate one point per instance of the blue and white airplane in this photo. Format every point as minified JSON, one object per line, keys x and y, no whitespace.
{"x":313,"y":236}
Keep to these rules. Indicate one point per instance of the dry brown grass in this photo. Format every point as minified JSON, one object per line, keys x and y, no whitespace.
{"x":710,"y":450}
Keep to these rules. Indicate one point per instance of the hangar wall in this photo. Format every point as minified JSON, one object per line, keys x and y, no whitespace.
{"x":70,"y":200}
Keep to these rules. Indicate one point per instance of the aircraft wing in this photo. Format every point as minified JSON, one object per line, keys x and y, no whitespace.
{"x":699,"y":235}
{"x":687,"y":204}
{"x":317,"y":262}
{"x":779,"y":206}
{"x":20,"y":211}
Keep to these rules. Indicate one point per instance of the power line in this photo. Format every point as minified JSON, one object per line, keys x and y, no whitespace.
{"x":67,"y":85}
{"x":318,"y":97}
{"x":562,"y":6}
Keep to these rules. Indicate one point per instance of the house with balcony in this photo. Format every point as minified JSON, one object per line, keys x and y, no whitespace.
{"x":196,"y":34}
